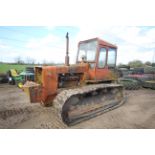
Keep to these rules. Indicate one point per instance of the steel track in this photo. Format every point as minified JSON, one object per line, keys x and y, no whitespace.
{"x":62,"y":99}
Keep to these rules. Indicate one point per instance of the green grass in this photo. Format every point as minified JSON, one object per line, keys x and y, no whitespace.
{"x":5,"y":67}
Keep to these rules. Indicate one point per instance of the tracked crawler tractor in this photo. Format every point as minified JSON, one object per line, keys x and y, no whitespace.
{"x":83,"y":90}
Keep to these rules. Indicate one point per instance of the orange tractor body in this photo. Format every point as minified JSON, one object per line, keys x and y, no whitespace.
{"x":53,"y":78}
{"x":71,"y":86}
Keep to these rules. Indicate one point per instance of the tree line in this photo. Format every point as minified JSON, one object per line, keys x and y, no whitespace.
{"x":138,"y":63}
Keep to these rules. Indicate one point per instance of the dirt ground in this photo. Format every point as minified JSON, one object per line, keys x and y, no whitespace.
{"x":17,"y":112}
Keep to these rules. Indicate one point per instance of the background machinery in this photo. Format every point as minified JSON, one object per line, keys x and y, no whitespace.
{"x":83,"y":90}
{"x":19,"y":79}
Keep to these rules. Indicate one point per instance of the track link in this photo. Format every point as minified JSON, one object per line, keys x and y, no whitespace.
{"x":76,"y":105}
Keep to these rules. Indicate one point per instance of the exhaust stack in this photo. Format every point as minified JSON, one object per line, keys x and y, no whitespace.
{"x":67,"y":52}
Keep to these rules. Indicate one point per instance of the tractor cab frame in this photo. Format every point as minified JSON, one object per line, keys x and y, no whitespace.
{"x":101,"y":57}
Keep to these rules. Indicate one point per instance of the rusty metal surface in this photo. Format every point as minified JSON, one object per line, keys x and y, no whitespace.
{"x":33,"y":90}
{"x":100,"y":41}
{"x":76,"y":105}
{"x":67,"y":50}
{"x":50,"y":77}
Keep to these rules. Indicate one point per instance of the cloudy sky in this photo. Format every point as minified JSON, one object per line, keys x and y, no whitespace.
{"x":48,"y":43}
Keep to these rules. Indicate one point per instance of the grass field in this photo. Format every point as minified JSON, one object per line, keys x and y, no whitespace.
{"x":5,"y":67}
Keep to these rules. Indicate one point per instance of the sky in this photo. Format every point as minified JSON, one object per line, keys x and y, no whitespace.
{"x":48,"y":44}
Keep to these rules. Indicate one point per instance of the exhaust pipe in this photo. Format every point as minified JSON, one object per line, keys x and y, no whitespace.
{"x":67,"y":50}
